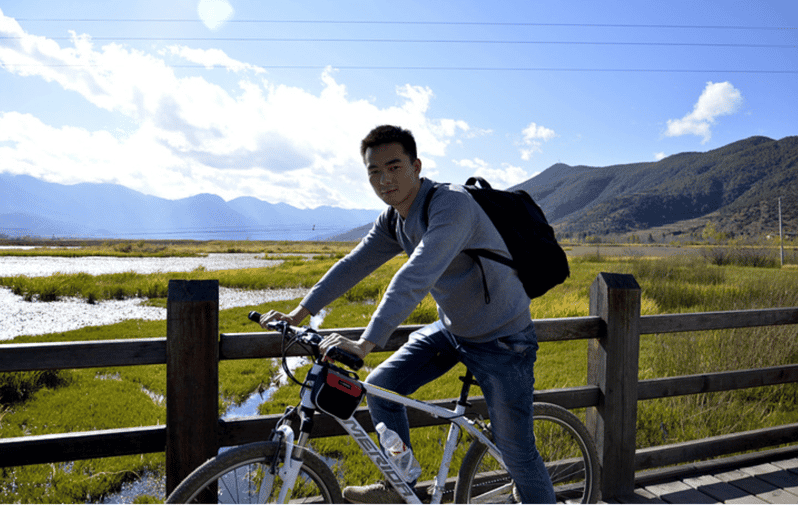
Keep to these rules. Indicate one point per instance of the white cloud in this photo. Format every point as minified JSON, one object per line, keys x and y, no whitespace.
{"x":210,"y":58}
{"x":182,"y":135}
{"x":534,"y":132}
{"x":717,"y":99}
{"x":214,"y":12}
{"x":533,"y":138}
{"x":659,"y":156}
{"x":500,"y":178}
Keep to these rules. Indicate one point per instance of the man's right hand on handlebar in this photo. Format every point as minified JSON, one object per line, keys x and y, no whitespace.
{"x":359,"y":348}
{"x":294,"y":318}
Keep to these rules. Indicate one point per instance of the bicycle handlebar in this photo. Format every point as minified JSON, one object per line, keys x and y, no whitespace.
{"x":313,"y":339}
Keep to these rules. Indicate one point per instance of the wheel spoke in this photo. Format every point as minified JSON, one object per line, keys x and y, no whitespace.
{"x":242,"y":476}
{"x":565,"y":446}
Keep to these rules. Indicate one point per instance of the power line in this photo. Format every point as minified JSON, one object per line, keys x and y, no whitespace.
{"x":428,"y":23}
{"x":428,"y":41}
{"x":438,"y":68}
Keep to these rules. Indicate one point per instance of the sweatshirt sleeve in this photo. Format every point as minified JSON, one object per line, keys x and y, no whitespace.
{"x":378,"y":247}
{"x":451,"y":221}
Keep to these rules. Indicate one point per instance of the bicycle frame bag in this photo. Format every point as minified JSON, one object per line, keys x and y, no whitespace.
{"x":337,"y":392}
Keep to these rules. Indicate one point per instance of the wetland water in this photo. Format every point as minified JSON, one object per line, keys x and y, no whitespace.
{"x":19,"y":317}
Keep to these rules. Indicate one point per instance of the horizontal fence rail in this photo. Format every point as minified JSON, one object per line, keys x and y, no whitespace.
{"x":256,"y":345}
{"x":611,"y":295}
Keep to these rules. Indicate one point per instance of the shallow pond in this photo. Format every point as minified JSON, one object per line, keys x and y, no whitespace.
{"x":42,"y":266}
{"x":19,"y":317}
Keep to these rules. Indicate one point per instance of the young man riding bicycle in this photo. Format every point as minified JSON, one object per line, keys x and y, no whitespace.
{"x":493,"y":336}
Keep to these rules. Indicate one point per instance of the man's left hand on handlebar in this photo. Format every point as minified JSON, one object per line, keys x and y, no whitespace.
{"x":359,"y":348}
{"x":294,"y":318}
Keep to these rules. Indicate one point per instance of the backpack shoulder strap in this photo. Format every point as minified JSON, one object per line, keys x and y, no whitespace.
{"x":393,"y":216}
{"x":425,"y":208}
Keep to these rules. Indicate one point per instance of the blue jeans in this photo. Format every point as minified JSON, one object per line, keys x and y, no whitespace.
{"x":504,"y":370}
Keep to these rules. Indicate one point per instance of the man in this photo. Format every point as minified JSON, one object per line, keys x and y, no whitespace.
{"x":493,"y":336}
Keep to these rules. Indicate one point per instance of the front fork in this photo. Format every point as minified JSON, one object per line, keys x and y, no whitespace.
{"x":292,"y":454}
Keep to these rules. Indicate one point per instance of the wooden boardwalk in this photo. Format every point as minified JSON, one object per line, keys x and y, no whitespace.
{"x":772,"y":482}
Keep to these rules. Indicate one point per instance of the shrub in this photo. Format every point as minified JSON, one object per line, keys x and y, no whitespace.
{"x":17,"y":387}
{"x":741,"y":256}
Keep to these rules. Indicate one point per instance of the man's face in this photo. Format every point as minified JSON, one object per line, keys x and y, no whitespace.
{"x":393,"y":176}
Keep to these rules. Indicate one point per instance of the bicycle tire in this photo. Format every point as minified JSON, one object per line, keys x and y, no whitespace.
{"x":235,"y":475}
{"x":565,"y":446}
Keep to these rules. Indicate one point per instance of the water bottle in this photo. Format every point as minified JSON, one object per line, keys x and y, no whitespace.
{"x":399,"y":453}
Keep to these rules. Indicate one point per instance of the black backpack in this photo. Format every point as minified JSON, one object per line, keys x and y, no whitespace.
{"x":535,"y":254}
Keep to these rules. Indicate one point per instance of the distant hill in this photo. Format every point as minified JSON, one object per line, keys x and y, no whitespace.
{"x":353,"y":235}
{"x":31,"y":207}
{"x":736,"y":186}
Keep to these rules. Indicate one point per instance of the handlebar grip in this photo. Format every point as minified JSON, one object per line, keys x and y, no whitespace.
{"x":344,"y":357}
{"x":333,"y":353}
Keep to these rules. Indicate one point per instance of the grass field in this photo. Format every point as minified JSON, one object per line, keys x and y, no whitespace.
{"x":35,"y":403}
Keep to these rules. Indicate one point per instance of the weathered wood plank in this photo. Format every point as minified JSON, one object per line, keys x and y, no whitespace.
{"x":791,"y":465}
{"x":712,"y":466}
{"x":716,"y":488}
{"x":255,"y":428}
{"x":719,"y":381}
{"x":640,"y":495}
{"x":267,"y":344}
{"x":783,"y":480}
{"x":261,"y":344}
{"x":747,"y":483}
{"x":664,"y":455}
{"x":746,"y":500}
{"x":81,"y":445}
{"x":102,"y":353}
{"x":671,"y":323}
{"x":613,"y":367}
{"x":679,"y":492}
{"x":569,"y":328}
{"x":192,"y":378}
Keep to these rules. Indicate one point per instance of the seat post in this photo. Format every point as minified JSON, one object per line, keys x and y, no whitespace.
{"x":468,"y":381}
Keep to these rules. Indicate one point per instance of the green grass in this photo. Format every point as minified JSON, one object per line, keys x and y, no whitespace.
{"x":169,"y":248}
{"x":77,"y":400}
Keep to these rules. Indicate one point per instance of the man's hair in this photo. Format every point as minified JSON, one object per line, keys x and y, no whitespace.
{"x":388,"y":134}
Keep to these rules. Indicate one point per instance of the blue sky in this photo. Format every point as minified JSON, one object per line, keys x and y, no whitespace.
{"x":270,"y":99}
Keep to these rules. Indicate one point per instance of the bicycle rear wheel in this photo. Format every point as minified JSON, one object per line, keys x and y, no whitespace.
{"x":564,"y":444}
{"x":241,"y":475}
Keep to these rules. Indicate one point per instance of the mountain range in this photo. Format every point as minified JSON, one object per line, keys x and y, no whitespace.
{"x":736,"y":187}
{"x":31,"y":207}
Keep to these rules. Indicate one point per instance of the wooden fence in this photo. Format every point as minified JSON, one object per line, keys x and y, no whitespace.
{"x":193,"y":347}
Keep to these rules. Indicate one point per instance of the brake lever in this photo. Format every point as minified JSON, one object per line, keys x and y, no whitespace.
{"x":333,"y":353}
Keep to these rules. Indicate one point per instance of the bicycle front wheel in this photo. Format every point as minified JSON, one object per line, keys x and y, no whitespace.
{"x":242,"y":475}
{"x":565,"y":446}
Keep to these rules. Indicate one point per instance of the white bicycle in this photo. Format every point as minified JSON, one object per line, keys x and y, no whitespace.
{"x":284,"y":469}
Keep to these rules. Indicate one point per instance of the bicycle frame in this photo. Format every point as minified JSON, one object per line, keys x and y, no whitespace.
{"x":372,"y":450}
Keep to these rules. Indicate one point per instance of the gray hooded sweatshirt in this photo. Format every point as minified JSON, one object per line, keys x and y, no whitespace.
{"x":436,"y":265}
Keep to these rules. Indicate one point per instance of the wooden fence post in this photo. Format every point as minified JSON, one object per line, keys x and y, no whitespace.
{"x":192,"y":377}
{"x":613,"y":367}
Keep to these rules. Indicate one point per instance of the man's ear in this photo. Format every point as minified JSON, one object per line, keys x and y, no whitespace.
{"x":417,"y":166}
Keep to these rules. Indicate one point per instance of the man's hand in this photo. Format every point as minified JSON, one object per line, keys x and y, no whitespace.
{"x":294,"y":318}
{"x":359,"y":348}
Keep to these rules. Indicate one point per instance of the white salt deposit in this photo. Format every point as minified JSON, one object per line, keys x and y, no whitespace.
{"x":18,"y":317}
